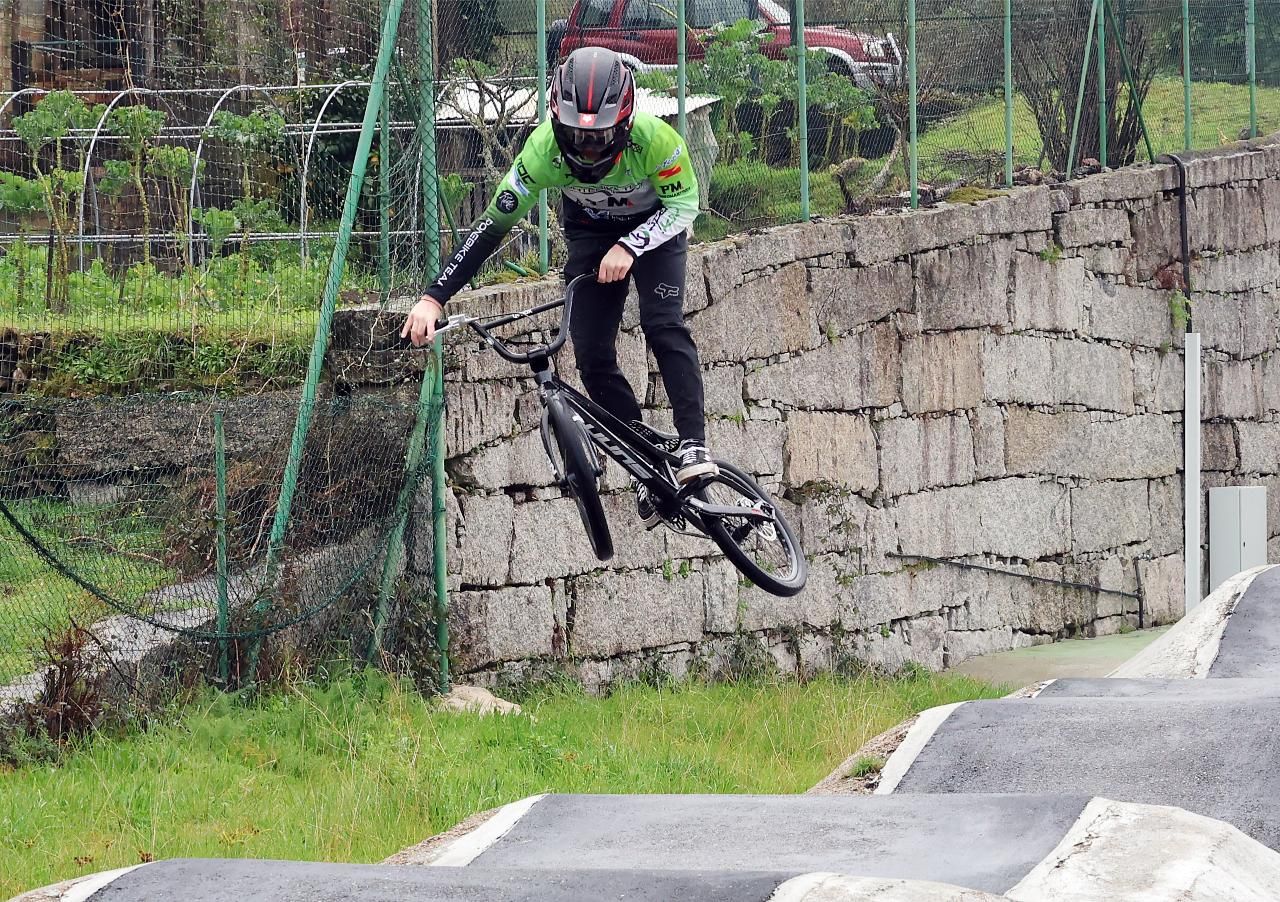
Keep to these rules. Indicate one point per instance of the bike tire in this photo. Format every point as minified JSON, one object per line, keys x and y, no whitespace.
{"x":580,"y":478}
{"x":785,"y":584}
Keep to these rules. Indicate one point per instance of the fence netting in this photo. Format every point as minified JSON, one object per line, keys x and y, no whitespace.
{"x":118,"y":518}
{"x":190,"y":486}
{"x":189,"y":191}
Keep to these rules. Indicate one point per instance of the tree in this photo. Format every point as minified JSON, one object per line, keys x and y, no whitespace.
{"x":1048,"y":62}
{"x":47,"y":128}
{"x":137,"y":126}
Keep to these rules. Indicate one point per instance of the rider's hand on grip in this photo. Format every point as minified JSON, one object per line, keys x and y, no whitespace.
{"x":420,"y":325}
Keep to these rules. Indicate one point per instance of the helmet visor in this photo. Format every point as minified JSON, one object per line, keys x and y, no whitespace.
{"x":590,"y":145}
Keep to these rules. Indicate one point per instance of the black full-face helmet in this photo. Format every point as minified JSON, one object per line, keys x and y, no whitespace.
{"x":593,"y":101}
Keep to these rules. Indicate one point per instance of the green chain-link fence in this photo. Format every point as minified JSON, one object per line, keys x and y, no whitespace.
{"x":188,"y":197}
{"x":192,"y":485}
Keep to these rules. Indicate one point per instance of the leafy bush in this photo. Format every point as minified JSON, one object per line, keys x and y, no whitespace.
{"x":757,"y":98}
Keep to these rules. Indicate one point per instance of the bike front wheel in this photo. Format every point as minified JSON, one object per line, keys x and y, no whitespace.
{"x":578,"y":472}
{"x":760,"y":541}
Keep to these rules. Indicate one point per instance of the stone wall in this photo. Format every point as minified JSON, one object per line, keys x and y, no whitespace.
{"x":998,"y":384}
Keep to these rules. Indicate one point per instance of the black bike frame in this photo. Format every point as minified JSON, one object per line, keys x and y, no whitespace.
{"x":618,"y":440}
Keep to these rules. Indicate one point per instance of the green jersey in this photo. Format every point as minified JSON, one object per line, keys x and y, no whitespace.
{"x":648,"y":197}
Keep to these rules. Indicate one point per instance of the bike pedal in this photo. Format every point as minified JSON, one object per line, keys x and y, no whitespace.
{"x":689,"y":488}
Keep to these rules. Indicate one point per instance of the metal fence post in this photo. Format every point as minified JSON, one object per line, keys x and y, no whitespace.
{"x":1008,"y":93}
{"x":913,"y":149}
{"x":682,"y":71}
{"x":224,"y":604}
{"x":1102,"y":83}
{"x":384,"y":190}
{"x":1186,"y":74}
{"x":427,"y":139}
{"x":329,"y":298}
{"x":438,"y":516}
{"x":1084,"y":75}
{"x":544,"y":244}
{"x":427,"y":103}
{"x":802,"y":106}
{"x":1251,"y":58}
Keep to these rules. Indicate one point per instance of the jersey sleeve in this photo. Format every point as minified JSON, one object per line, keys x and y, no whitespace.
{"x":531,"y":172}
{"x":671,"y":174}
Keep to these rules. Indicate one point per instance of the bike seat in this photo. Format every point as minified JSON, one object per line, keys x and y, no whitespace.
{"x":664,"y":440}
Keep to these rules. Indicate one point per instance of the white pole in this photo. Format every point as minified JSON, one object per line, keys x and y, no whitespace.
{"x":1191,"y":469}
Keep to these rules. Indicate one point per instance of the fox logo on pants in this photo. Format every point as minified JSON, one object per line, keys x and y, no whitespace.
{"x":665,"y":291}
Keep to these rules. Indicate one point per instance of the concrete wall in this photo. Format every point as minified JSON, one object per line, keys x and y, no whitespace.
{"x":998,"y":383}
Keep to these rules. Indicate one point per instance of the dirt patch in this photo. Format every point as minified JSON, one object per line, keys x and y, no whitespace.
{"x":851,"y":778}
{"x":427,"y":851}
{"x":1029,"y":691}
{"x":49,"y":893}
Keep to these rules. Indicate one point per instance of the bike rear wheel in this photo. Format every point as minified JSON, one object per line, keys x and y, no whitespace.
{"x":766,"y":551}
{"x":577,"y":465}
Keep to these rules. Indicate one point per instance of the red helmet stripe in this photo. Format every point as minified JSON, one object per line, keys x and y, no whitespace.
{"x":591,"y":82}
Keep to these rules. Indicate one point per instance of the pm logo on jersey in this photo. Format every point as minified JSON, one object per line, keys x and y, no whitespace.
{"x":507,"y":202}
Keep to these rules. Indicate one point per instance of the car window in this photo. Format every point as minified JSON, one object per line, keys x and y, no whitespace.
{"x":595,"y":13}
{"x":647,"y":14}
{"x":705,"y":13}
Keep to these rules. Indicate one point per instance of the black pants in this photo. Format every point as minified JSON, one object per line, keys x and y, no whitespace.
{"x":597,"y":314}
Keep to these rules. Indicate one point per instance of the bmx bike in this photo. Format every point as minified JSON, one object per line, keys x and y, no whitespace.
{"x":729,"y":508}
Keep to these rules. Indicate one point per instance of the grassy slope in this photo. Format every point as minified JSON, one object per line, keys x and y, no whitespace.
{"x":361,"y":769}
{"x":36,"y":601}
{"x":1218,"y":112}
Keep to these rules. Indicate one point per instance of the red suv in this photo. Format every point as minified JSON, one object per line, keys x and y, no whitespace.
{"x":644,"y":33}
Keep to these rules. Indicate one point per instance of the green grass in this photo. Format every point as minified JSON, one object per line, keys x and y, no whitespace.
{"x":234,"y":322}
{"x":1218,"y":111}
{"x":36,"y":601}
{"x":751,"y":194}
{"x":361,"y":769}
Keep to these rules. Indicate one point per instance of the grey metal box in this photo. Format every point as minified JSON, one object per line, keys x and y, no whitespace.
{"x":1237,"y":531}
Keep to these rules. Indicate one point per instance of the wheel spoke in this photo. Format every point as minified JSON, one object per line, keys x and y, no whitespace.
{"x":758,"y":538}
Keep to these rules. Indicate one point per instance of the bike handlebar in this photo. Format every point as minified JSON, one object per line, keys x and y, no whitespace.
{"x":482,"y":328}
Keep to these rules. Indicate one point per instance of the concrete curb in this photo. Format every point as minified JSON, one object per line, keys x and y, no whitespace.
{"x":1188,"y":650}
{"x":839,"y":888}
{"x":78,"y":890}
{"x":918,"y":737}
{"x":1183,"y":857}
{"x":469,"y":846}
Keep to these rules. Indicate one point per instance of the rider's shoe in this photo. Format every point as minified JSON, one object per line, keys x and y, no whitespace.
{"x":645,"y":508}
{"x":695,"y":462}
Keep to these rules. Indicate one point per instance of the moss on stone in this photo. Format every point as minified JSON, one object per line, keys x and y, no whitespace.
{"x":972,"y":194}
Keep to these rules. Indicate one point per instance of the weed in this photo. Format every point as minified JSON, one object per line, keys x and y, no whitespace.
{"x":866,"y":766}
{"x":1179,"y":311}
{"x":747,"y":659}
{"x":70,"y":701}
{"x":1051,"y":254}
